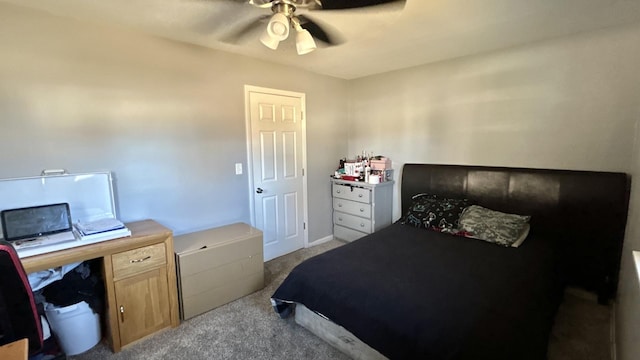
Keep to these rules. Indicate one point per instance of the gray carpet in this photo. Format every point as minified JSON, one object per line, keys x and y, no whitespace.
{"x":249,"y":329}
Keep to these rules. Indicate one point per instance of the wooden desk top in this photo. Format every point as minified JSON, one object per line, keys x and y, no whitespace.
{"x":143,"y":233}
{"x":17,"y":350}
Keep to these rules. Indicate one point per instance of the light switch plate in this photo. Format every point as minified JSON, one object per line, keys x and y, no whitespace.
{"x":238,"y":168}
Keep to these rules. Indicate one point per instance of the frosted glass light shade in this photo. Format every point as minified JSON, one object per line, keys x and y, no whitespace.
{"x":278,"y":27}
{"x":304,"y":42}
{"x":269,"y":41}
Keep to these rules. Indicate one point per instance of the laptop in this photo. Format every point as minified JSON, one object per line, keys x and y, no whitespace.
{"x":37,"y":225}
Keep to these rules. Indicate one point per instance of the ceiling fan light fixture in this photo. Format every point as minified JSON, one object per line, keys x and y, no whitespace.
{"x":269,"y":41}
{"x":304,"y":42}
{"x":278,"y":27}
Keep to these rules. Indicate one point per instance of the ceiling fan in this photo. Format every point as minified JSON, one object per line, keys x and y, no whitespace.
{"x":284,"y":17}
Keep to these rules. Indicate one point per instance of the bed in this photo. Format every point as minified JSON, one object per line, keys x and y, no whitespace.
{"x":406,"y":292}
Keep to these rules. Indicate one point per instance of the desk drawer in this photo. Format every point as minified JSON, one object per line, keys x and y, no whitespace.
{"x":138,"y":260}
{"x":351,"y":193}
{"x":352,"y":207}
{"x":352,"y":222}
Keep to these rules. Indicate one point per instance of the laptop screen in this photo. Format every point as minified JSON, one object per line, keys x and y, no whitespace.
{"x":31,"y":222}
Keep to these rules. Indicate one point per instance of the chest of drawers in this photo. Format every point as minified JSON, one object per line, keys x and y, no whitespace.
{"x":360,"y":208}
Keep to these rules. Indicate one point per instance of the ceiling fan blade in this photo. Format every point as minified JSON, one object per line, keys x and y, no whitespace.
{"x":210,"y":24}
{"x":319,"y":32}
{"x":353,"y":4}
{"x":219,"y":14}
{"x":253,"y":26}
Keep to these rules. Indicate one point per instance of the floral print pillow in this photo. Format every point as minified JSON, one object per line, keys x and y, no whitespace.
{"x":493,"y":226}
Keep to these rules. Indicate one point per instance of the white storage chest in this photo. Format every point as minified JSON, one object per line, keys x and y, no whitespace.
{"x":217,"y":266}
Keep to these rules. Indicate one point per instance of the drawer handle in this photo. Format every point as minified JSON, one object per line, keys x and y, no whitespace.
{"x":121,"y":313}
{"x":338,"y":191}
{"x":361,"y":210}
{"x":359,"y":195}
{"x":361,"y":225}
{"x":339,"y":205}
{"x":140,"y":260}
{"x":339,"y":219}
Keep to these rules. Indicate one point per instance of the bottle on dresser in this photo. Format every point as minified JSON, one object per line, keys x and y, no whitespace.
{"x":366,"y":169}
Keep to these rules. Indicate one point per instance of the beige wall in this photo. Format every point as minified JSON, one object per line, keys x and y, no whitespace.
{"x":167,"y":118}
{"x":627,"y":319}
{"x":569,"y":103}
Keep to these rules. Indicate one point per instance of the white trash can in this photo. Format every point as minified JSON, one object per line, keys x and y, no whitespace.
{"x":76,"y":326}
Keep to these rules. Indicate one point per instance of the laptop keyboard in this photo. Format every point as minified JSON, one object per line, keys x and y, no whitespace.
{"x":44,"y":240}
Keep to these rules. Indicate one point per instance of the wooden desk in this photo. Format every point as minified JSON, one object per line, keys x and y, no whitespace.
{"x":140,"y":280}
{"x":17,"y":350}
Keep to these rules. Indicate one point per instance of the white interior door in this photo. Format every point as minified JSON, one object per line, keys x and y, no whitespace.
{"x":277,"y":172}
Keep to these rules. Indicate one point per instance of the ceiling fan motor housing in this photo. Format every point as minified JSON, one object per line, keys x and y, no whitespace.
{"x":283,"y":7}
{"x":306,"y":4}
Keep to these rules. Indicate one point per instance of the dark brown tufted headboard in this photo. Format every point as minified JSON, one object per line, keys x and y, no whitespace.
{"x":586,"y":210}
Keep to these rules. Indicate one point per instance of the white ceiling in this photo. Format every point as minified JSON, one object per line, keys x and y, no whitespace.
{"x":377,"y":39}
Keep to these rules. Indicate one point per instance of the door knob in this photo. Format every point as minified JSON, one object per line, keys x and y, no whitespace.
{"x":259,"y":190}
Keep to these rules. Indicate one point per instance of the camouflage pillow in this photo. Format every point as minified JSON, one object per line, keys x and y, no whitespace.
{"x":493,"y":226}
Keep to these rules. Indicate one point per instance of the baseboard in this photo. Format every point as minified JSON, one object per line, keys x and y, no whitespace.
{"x":320,"y":241}
{"x":612,"y":332}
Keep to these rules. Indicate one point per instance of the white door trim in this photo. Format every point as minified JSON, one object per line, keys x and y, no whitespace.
{"x":247,"y":115}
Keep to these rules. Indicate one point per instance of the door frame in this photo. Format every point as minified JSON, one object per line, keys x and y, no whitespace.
{"x":303,"y":121}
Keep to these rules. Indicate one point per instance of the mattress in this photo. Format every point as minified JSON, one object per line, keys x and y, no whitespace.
{"x":413,"y":293}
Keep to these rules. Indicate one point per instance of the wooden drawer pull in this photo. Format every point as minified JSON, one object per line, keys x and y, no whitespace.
{"x":140,"y":260}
